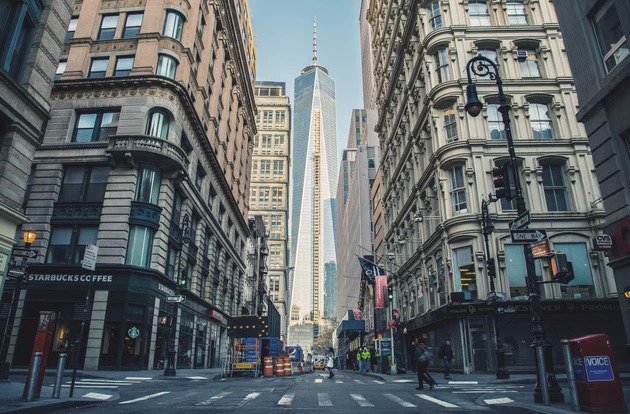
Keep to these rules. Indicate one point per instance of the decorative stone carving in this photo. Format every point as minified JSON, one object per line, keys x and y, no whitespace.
{"x":76,"y":212}
{"x":145,"y":214}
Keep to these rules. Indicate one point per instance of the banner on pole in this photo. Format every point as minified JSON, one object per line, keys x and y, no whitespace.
{"x":357,"y":314}
{"x":379,"y":291}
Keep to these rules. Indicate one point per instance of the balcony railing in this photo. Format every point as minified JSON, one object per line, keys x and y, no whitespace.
{"x":131,"y":149}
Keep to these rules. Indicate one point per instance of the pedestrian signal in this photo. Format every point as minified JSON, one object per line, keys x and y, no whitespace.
{"x":561,"y":268}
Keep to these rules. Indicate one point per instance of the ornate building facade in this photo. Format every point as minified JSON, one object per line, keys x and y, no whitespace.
{"x":147,"y":155}
{"x":437,"y":162}
{"x":269,"y":193}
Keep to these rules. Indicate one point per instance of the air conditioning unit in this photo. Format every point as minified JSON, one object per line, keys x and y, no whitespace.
{"x":521,"y":55}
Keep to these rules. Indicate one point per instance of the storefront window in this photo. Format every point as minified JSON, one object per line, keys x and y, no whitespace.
{"x":200,"y":347}
{"x":126,"y":333}
{"x":517,"y":272}
{"x":582,"y":286}
{"x":185,"y":344}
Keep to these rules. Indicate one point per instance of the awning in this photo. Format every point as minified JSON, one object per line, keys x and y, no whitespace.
{"x":349,"y":326}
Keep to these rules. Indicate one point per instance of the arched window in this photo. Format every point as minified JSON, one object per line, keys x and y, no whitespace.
{"x":158,"y":123}
{"x":540,"y":121}
{"x":166,"y":66}
{"x":458,"y":189}
{"x":495,"y":122}
{"x":173,"y":25}
{"x":441,"y":65}
{"x":435,"y":18}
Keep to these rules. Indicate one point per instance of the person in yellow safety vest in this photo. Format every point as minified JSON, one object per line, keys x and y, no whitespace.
{"x":360,"y":360}
{"x":366,"y":356}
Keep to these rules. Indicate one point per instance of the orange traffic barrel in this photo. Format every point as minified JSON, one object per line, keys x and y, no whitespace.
{"x":279,"y":367}
{"x":268,"y":367}
{"x":287,"y":367}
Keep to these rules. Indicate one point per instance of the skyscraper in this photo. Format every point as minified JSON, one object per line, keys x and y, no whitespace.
{"x":313,"y":197}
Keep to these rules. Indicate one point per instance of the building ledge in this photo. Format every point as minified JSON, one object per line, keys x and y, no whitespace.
{"x":129,"y":150}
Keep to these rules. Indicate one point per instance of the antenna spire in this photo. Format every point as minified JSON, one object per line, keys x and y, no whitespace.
{"x":315,"y":41}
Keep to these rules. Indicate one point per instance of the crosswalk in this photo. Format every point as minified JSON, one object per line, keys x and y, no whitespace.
{"x":105,"y":384}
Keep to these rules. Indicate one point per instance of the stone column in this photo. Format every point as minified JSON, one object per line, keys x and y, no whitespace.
{"x":95,"y":333}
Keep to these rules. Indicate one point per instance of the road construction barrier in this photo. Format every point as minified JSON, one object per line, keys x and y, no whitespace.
{"x":287,"y":367}
{"x":279,"y":367}
{"x":268,"y":367}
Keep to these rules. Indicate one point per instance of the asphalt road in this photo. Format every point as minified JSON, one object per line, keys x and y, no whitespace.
{"x":309,"y":393}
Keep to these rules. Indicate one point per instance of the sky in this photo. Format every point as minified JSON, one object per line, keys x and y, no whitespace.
{"x":283,"y":37}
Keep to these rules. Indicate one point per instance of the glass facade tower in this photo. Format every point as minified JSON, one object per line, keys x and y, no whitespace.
{"x":314,"y":186}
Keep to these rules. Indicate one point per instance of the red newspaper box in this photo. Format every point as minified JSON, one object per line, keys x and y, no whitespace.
{"x":596,"y":374}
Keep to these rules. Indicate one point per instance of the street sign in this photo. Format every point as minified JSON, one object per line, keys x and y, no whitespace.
{"x":89,"y":257}
{"x":528,"y":235}
{"x":541,"y":249}
{"x":21,"y":252}
{"x":16,"y":273}
{"x":602,"y":242}
{"x":521,"y":221}
{"x":177,"y":299}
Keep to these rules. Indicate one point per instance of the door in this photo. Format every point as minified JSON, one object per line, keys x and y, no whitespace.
{"x":479,"y":344}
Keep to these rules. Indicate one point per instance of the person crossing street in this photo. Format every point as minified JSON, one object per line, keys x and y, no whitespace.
{"x":423,"y":358}
{"x":445,"y":354}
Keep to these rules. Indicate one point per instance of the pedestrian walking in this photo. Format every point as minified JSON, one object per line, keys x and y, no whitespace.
{"x":367,"y":357}
{"x":423,"y":358}
{"x":330,"y":364}
{"x":360,"y":359}
{"x":445,"y":354}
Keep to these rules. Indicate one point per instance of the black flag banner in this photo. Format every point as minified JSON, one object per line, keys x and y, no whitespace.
{"x":369,"y":269}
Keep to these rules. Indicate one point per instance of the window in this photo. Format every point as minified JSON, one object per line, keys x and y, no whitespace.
{"x":61,"y":68}
{"x":267,"y":117}
{"x":171,"y":262}
{"x":495,"y":122}
{"x":211,"y":195}
{"x":166,"y":66}
{"x":176,"y":214}
{"x":133,"y":22}
{"x":441,"y":65}
{"x":98,"y":67}
{"x":555,"y":191}
{"x":148,"y":188}
{"x":478,"y":13}
{"x":540,"y":122}
{"x":450,"y":125}
{"x":67,"y":243}
{"x":72,"y":27}
{"x":516,"y":12}
{"x":458,"y":191}
{"x":124,"y":64}
{"x":582,"y":286}
{"x":201,"y":173}
{"x":83,"y":184}
{"x":489,"y":54}
{"x":18,"y":20}
{"x":158,"y":123}
{"x":464,"y":272}
{"x":173,"y":25}
{"x":265,"y":141}
{"x":278,"y":167}
{"x":96,"y":125}
{"x":279,"y":141}
{"x":529,"y":66}
{"x":280,"y":117}
{"x":435,"y":18}
{"x":610,"y":35}
{"x":140,"y":245}
{"x":265,"y":167}
{"x":108,"y":27}
{"x":516,"y":270}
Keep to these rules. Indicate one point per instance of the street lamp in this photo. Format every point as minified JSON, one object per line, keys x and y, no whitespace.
{"x":488,"y":228}
{"x":185,"y":238}
{"x":482,"y":66}
{"x":17,"y":272}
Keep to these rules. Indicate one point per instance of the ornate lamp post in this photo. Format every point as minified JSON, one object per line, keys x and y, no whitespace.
{"x":17,"y":272}
{"x":170,"y":370}
{"x":482,"y":66}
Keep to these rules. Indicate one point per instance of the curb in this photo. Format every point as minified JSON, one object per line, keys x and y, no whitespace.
{"x":45,"y":408}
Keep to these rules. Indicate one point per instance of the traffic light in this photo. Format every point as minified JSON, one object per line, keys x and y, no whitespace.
{"x":501,"y":181}
{"x":561,"y":268}
{"x":390,"y":293}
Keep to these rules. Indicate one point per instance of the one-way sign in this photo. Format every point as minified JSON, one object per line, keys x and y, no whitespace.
{"x":521,"y":221}
{"x":19,"y":252}
{"x":528,"y":235}
{"x":178,"y":299}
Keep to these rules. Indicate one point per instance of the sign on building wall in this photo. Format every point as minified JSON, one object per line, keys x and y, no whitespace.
{"x":381,"y":285}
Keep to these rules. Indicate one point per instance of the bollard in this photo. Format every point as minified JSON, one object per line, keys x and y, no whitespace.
{"x":34,"y":374}
{"x":542,"y":372}
{"x":566,"y":352}
{"x":59,"y":377}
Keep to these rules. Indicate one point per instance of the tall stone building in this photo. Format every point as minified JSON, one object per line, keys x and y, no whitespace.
{"x":314,"y":180}
{"x":437,"y":164}
{"x":601,"y":67}
{"x":269,"y":193}
{"x":146,"y":155}
{"x":31,"y":42}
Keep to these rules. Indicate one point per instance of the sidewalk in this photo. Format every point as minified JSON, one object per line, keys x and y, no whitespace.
{"x":523,"y":402}
{"x":11,"y":391}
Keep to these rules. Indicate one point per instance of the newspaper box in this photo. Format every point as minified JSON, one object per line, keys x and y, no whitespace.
{"x":596,"y":374}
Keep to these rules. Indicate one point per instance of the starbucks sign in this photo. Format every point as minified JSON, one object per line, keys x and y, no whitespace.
{"x":133,"y":332}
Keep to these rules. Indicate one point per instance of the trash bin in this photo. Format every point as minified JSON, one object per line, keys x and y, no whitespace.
{"x":596,"y":374}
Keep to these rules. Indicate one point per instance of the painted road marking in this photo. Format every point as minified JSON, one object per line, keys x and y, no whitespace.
{"x":97,"y":396}
{"x":216,"y":397}
{"x":361,"y":400}
{"x":463,"y":382}
{"x":91,"y":386}
{"x":503,"y":400}
{"x":378,"y":382}
{"x":248,"y":398}
{"x":139,"y":378}
{"x":358,"y":381}
{"x":197,"y":378}
{"x":324,"y":399}
{"x":437,"y":401}
{"x":318,"y":380}
{"x":478,"y":391}
{"x":146,"y":397}
{"x":286,"y":399}
{"x":106,"y":380}
{"x":399,"y":401}
{"x":338,"y":382}
{"x":403,"y":380}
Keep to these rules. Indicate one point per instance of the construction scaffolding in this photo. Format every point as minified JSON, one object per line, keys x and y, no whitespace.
{"x":244,"y":358}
